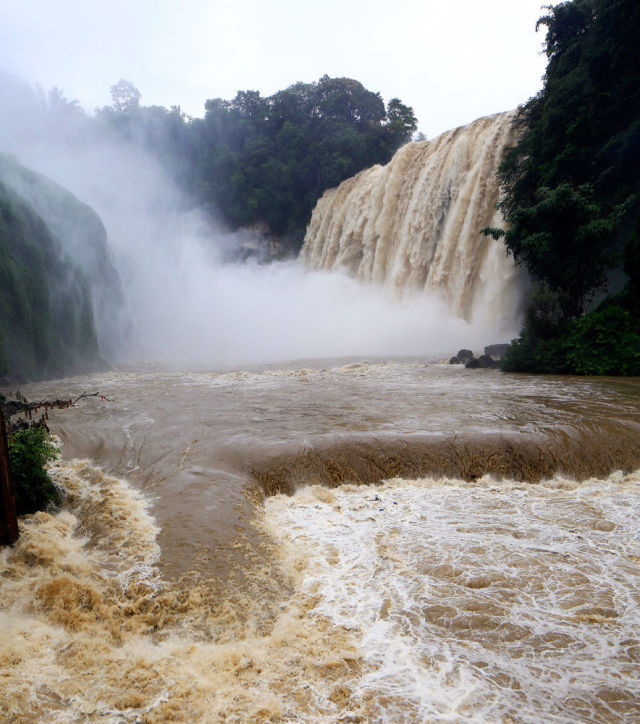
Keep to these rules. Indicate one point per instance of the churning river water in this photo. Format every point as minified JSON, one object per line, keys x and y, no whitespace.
{"x":324,"y":541}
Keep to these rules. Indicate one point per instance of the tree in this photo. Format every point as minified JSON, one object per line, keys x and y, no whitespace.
{"x":249,"y":104}
{"x":571,"y":193}
{"x":571,"y":185}
{"x":59,"y":103}
{"x":561,"y":238}
{"x":266,"y":161}
{"x":347,"y":100}
{"x":269,"y":159}
{"x":402,"y":121}
{"x":125,"y":96}
{"x":29,"y":452}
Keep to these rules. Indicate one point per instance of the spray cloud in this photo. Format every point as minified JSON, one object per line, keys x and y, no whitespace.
{"x":185,"y":303}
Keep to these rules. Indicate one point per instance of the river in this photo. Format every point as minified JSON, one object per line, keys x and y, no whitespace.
{"x":331,"y":540}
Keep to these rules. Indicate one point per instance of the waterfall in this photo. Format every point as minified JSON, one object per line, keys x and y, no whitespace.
{"x":415,"y":223}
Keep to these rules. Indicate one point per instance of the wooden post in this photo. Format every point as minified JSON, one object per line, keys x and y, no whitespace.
{"x":8,"y":518}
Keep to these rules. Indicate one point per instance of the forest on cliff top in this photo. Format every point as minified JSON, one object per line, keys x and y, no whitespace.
{"x":261,"y":161}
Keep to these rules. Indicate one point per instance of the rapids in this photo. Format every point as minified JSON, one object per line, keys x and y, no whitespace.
{"x":331,"y":541}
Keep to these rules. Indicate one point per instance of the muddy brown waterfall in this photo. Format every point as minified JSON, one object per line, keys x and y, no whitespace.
{"x":415,"y":223}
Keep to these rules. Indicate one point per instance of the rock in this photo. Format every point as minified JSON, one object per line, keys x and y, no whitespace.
{"x":464,"y":355}
{"x":454,"y":361}
{"x":483,"y":362}
{"x":496,"y":350}
{"x":486,"y":362}
{"x":12,"y":407}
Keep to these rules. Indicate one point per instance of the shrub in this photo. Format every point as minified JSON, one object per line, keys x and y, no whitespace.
{"x":533,"y":353}
{"x":542,"y":345}
{"x":605,"y":342}
{"x":29,"y":452}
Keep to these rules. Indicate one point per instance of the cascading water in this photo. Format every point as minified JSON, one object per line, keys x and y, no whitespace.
{"x":415,"y":224}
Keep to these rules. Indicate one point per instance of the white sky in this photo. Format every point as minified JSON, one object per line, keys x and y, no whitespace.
{"x":451,"y":60}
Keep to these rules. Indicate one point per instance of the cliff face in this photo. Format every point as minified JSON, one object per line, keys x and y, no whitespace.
{"x":52,"y":251}
{"x":415,"y":223}
{"x":79,"y":234}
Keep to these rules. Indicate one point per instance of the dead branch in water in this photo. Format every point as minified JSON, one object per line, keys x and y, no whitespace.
{"x":41,"y":407}
{"x":93,"y":394}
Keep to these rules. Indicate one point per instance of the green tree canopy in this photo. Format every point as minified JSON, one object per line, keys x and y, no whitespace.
{"x":572,"y":183}
{"x":571,"y":192}
{"x":266,"y":161}
{"x":269,"y":159}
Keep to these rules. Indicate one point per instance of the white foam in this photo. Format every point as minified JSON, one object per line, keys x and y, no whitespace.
{"x":478,"y":602}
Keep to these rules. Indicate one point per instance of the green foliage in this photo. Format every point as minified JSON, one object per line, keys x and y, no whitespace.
{"x":30,"y":451}
{"x":604,"y":342}
{"x":266,"y":161}
{"x":46,"y":320}
{"x":125,"y":96}
{"x":541,"y":346}
{"x":402,"y":121}
{"x":571,"y":193}
{"x":572,"y":183}
{"x":269,"y":159}
{"x":529,"y":353}
{"x":562,"y":237}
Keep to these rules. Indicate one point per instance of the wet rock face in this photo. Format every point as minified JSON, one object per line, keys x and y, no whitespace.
{"x":487,"y":362}
{"x":462,"y":358}
{"x":73,"y":240}
{"x":483,"y":362}
{"x":46,"y":303}
{"x":497,"y":351}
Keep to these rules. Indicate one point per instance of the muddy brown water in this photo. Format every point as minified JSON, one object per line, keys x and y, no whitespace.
{"x":194,"y":442}
{"x":210,"y":595}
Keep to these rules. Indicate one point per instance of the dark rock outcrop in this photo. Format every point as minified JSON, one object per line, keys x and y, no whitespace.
{"x":483,"y":362}
{"x":486,"y":362}
{"x":496,"y":351}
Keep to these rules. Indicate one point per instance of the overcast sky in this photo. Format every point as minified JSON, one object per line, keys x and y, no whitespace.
{"x":451,"y":60}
